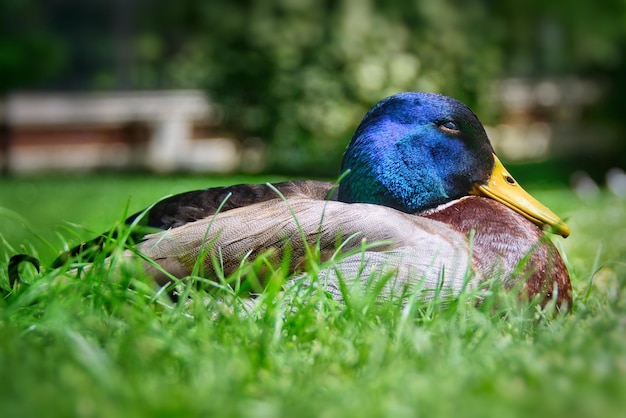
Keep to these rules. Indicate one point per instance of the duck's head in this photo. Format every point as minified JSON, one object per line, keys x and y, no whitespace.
{"x":416,"y":151}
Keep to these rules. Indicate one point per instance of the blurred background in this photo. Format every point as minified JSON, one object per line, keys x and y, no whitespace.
{"x":278,"y":86}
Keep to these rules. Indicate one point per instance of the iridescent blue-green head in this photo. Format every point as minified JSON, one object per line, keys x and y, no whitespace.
{"x":416,"y":151}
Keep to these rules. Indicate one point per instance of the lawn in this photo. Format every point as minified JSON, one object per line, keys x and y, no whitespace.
{"x":110,"y":348}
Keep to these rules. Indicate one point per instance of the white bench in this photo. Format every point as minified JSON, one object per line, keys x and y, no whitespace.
{"x":88,"y":130}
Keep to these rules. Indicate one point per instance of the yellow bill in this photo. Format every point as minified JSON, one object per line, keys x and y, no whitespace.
{"x":503,"y":188}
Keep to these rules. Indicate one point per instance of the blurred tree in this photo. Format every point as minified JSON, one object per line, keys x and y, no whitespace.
{"x":30,"y":53}
{"x":301,"y":73}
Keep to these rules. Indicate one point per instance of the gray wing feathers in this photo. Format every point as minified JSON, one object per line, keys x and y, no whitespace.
{"x":416,"y":251}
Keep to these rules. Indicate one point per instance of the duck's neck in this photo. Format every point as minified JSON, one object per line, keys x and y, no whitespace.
{"x":502,"y":239}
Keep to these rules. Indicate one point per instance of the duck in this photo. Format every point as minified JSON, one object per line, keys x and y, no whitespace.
{"x":423,"y":201}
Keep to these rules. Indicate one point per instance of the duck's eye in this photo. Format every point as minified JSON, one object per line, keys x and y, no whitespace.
{"x":449,"y":127}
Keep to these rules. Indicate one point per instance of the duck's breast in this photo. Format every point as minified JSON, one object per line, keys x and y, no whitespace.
{"x":508,"y":245}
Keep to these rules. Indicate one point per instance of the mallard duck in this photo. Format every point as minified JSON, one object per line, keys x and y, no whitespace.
{"x":422,"y":180}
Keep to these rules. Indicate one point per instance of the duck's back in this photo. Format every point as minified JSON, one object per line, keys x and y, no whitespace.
{"x":183,"y":208}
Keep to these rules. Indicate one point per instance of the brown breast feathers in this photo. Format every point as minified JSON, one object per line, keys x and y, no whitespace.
{"x":506,"y":243}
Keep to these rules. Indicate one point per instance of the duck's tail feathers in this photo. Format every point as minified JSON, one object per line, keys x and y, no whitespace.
{"x":14,"y":264}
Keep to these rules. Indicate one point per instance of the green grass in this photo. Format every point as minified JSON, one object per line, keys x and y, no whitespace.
{"x":103,"y":347}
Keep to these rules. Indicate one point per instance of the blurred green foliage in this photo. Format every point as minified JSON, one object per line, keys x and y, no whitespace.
{"x":301,"y":73}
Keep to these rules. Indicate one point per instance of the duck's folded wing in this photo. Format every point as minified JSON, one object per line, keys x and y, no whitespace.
{"x":415,"y":249}
{"x":177,"y":210}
